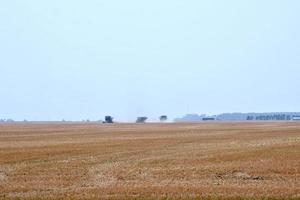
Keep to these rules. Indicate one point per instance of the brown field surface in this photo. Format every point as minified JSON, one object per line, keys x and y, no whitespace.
{"x":150,"y":161}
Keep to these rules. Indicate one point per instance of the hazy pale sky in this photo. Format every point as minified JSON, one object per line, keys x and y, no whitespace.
{"x":76,"y":59}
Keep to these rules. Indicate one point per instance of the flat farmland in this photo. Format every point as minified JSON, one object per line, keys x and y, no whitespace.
{"x":150,"y":161}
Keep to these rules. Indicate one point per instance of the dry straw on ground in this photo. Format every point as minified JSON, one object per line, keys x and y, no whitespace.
{"x":150,"y":161}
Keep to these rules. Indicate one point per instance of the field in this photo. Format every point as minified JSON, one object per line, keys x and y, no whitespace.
{"x":150,"y":161}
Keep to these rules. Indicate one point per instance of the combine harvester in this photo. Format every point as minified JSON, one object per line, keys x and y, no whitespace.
{"x":108,"y":120}
{"x":141,"y":119}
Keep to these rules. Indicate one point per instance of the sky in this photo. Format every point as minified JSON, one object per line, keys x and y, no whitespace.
{"x":77,"y":59}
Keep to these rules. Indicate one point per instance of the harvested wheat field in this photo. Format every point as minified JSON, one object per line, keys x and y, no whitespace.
{"x":150,"y":161}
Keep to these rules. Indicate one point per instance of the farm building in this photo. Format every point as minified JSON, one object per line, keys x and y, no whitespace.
{"x":208,"y":119}
{"x":296,"y":118}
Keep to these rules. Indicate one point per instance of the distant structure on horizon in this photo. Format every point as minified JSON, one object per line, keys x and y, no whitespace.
{"x":195,"y":118}
{"x":108,"y":120}
{"x":273,"y":116}
{"x":296,"y":118}
{"x":6,"y":121}
{"x":208,"y":119}
{"x":163,"y":118}
{"x":141,"y":119}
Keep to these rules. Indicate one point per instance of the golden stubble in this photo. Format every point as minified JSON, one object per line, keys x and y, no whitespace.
{"x":150,"y":161}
